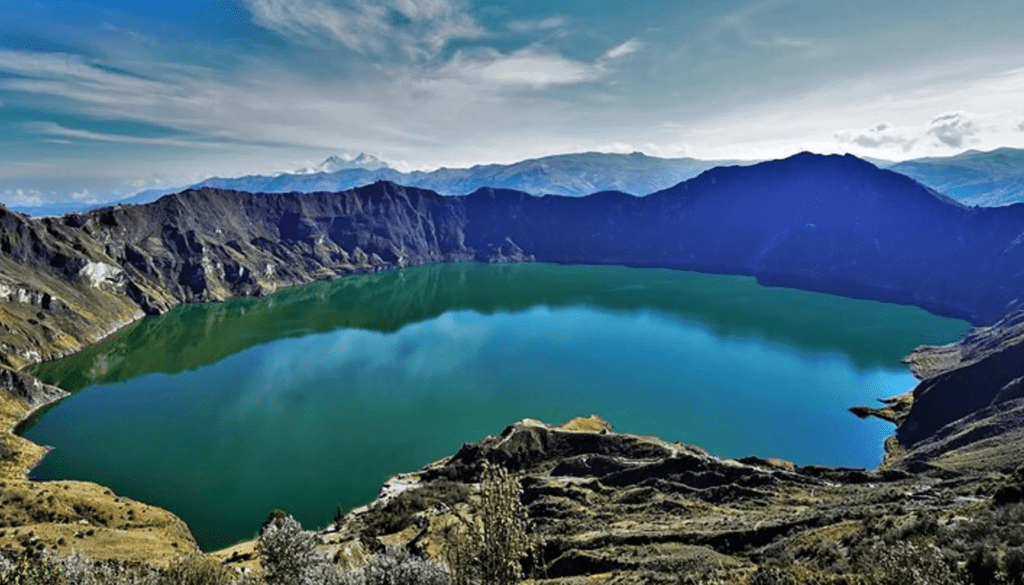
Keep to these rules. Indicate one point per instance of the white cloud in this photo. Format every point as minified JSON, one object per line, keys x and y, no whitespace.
{"x":951,"y":130}
{"x":880,"y":136}
{"x":532,"y":67}
{"x":954,"y":128}
{"x":370,"y":26}
{"x":29,"y":197}
{"x":627,"y":48}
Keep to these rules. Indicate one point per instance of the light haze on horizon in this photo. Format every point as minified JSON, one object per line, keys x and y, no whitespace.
{"x":105,"y":98}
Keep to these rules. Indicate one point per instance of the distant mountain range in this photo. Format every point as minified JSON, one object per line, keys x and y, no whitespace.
{"x":985,"y":179}
{"x":571,"y":175}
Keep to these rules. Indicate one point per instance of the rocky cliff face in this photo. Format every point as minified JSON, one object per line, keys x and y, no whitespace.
{"x":68,"y":281}
{"x":968,"y":410}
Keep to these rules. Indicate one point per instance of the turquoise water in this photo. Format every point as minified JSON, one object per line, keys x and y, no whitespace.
{"x":310,"y":398}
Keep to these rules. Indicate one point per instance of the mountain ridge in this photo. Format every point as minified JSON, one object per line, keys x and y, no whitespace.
{"x":974,"y":178}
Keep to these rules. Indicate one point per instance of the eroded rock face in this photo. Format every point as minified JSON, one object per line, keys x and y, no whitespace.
{"x":968,"y":410}
{"x":30,"y":390}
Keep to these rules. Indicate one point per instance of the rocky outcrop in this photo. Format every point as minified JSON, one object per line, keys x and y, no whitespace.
{"x":970,"y":402}
{"x":629,"y":509}
{"x":28,"y":389}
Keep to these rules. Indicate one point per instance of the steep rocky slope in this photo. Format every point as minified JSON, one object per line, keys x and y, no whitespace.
{"x":618,"y":508}
{"x":71,"y":280}
{"x":968,"y":410}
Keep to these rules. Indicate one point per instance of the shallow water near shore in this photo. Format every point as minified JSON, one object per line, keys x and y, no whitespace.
{"x":310,"y":398}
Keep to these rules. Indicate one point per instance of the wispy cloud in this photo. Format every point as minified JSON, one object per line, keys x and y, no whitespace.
{"x":54,"y":129}
{"x":129,"y":33}
{"x":419,"y":28}
{"x":525,"y":26}
{"x":37,"y":65}
{"x":746,"y":24}
{"x":627,"y":48}
{"x":793,"y":43}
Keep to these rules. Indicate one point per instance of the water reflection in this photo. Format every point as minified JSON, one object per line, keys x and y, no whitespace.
{"x":871,"y":334}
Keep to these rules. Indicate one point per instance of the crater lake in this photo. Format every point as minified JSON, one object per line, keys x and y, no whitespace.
{"x":310,"y":398}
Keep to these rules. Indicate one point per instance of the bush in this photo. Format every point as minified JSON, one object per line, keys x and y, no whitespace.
{"x":6,"y":452}
{"x":983,"y":565}
{"x":397,"y":567}
{"x":288,"y":554}
{"x":908,"y":563}
{"x":44,"y":569}
{"x":197,"y":570}
{"x":491,"y":548}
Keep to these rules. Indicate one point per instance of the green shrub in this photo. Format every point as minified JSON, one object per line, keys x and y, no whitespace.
{"x":910,"y":563}
{"x":492,"y":547}
{"x":983,"y":565}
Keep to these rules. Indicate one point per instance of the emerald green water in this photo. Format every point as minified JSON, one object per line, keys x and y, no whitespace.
{"x":310,"y":398}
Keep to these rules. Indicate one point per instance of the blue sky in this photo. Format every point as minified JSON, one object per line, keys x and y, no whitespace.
{"x":104,"y":98}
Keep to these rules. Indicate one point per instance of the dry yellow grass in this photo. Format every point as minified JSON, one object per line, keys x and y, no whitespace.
{"x":590,"y":424}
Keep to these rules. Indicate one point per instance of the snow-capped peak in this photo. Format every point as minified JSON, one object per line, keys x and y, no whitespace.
{"x":335,"y":163}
